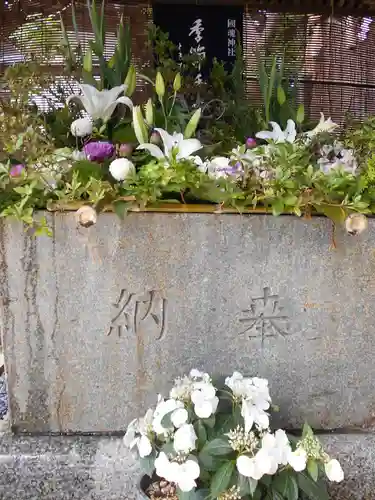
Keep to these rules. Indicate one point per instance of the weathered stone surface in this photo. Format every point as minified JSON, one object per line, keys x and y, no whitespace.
{"x":185,"y":289}
{"x":100,"y":468}
{"x":67,"y":468}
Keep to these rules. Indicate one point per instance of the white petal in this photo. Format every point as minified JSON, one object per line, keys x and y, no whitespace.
{"x":297,"y":459}
{"x":107,"y":111}
{"x":246,"y":466}
{"x":194,"y":373}
{"x":162,"y":466}
{"x":203,"y":410}
{"x":129,"y":437}
{"x":278,"y":134}
{"x":144,"y":447}
{"x":188,"y":147}
{"x":154,"y":150}
{"x":125,"y":100}
{"x":185,"y":439}
{"x":185,"y":483}
{"x":290,"y":131}
{"x":334,"y":471}
{"x":264,"y":135}
{"x":114,"y":92}
{"x":168,"y":140}
{"x":192,"y":468}
{"x":179,"y":417}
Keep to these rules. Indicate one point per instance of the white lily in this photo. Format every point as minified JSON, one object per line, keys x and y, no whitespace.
{"x":277,"y":135}
{"x":175,"y":146}
{"x":100,"y":104}
{"x":323,"y":126}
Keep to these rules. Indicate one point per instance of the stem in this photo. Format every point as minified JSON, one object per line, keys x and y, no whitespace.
{"x":164,"y":113}
{"x":173,"y":103}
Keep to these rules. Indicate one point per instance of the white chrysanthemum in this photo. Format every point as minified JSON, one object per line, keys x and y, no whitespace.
{"x":121,"y":169}
{"x":81,"y":127}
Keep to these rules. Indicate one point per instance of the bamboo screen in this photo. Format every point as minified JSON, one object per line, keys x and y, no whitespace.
{"x":328,"y":58}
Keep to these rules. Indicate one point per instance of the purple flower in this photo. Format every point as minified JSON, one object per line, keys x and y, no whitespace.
{"x":251,"y":143}
{"x":99,"y":150}
{"x":16,"y":170}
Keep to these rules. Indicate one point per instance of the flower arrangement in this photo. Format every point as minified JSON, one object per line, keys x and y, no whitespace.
{"x":210,"y":442}
{"x":101,"y":151}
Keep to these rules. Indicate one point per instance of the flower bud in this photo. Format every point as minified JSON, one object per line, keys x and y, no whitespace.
{"x":155,"y":138}
{"x":160,"y":85}
{"x":177,"y":82}
{"x":251,"y":143}
{"x":86,"y":216}
{"x":356,"y":223}
{"x":139,"y":125}
{"x":125,"y":150}
{"x":149,"y":112}
{"x":130,"y":81}
{"x":191,"y":127}
{"x":87,"y":61}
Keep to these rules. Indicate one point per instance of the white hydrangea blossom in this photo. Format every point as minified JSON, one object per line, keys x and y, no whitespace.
{"x":184,"y":439}
{"x":162,"y":409}
{"x":255,"y":399}
{"x":182,"y":474}
{"x":137,"y":434}
{"x":198,"y":389}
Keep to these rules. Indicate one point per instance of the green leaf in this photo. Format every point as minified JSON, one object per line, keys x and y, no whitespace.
{"x":290,"y":201}
{"x":281,"y":97}
{"x":147,"y":465}
{"x":313,"y":469}
{"x":286,"y":485}
{"x":201,"y":432}
{"x":166,"y":421}
{"x":209,"y":462}
{"x":218,"y":447}
{"x":121,"y":208}
{"x":192,"y":495}
{"x":209,"y":422}
{"x":277,"y":207}
{"x":334,"y":212}
{"x":221,"y":479}
{"x":314,"y":491}
{"x":300,"y":113}
{"x":247,"y":485}
{"x":86,"y":169}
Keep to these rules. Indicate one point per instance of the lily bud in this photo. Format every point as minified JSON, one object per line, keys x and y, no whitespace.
{"x":130,"y":81}
{"x":191,"y":127}
{"x":87,"y":61}
{"x":155,"y":138}
{"x":177,"y":82}
{"x":356,"y":223}
{"x":160,"y":85}
{"x":86,"y":216}
{"x":149,"y":111}
{"x":140,"y":128}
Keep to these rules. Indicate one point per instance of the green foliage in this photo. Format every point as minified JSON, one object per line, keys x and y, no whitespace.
{"x":112,"y":71}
